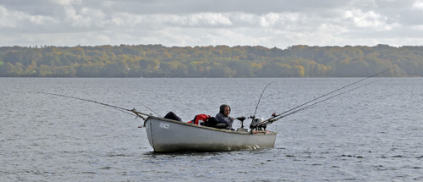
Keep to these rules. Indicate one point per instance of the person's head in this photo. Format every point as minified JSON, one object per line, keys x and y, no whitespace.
{"x":225,"y":110}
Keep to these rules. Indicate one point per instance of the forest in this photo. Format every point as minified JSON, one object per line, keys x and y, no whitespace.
{"x":210,"y":61}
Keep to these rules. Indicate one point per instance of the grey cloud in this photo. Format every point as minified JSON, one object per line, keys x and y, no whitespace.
{"x":221,"y":6}
{"x":189,"y":23}
{"x":33,"y":7}
{"x":392,"y":4}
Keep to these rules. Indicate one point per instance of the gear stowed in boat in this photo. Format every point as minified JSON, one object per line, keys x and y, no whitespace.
{"x":168,"y":135}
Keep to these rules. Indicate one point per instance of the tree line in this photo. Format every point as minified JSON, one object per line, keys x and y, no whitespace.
{"x":209,"y":61}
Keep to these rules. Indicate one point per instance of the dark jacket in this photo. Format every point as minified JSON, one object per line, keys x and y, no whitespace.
{"x":221,"y":118}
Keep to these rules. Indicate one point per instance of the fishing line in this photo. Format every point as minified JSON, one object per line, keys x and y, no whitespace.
{"x":304,"y":108}
{"x":150,"y":109}
{"x":138,"y":114}
{"x":331,"y":93}
{"x":298,"y":108}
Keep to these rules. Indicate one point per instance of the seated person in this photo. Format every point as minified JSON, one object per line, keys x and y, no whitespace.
{"x":223,"y":117}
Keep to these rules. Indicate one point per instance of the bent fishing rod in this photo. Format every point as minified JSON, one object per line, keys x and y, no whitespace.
{"x":133,"y":111}
{"x":298,"y":108}
{"x":254,"y":115}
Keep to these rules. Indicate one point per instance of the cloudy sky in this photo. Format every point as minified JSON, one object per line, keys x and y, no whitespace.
{"x":269,"y":23}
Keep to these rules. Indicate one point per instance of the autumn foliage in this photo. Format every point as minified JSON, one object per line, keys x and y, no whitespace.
{"x":210,"y":61}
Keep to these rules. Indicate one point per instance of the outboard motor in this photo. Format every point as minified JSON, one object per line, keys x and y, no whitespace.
{"x":255,"y":124}
{"x":256,"y":121}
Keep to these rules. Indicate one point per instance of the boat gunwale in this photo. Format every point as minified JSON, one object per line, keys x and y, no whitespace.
{"x":210,"y":128}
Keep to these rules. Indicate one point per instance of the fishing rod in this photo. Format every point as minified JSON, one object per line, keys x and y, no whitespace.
{"x":254,"y":115}
{"x":324,"y":95}
{"x":255,"y":111}
{"x":271,"y":120}
{"x":138,"y":114}
{"x":288,"y":112}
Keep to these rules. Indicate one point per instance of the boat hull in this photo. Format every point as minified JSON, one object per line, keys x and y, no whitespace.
{"x":167,"y":135}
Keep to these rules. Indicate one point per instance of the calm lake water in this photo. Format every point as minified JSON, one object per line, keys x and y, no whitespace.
{"x":374,"y":133}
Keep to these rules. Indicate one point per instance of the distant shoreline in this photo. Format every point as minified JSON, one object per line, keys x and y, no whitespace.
{"x":157,"y":61}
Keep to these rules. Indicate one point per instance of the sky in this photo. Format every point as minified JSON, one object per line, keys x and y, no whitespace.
{"x":268,"y":23}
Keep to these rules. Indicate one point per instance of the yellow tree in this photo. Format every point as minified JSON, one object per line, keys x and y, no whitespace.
{"x":298,"y":70}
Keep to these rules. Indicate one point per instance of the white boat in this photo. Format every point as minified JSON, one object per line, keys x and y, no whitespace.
{"x":167,"y":135}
